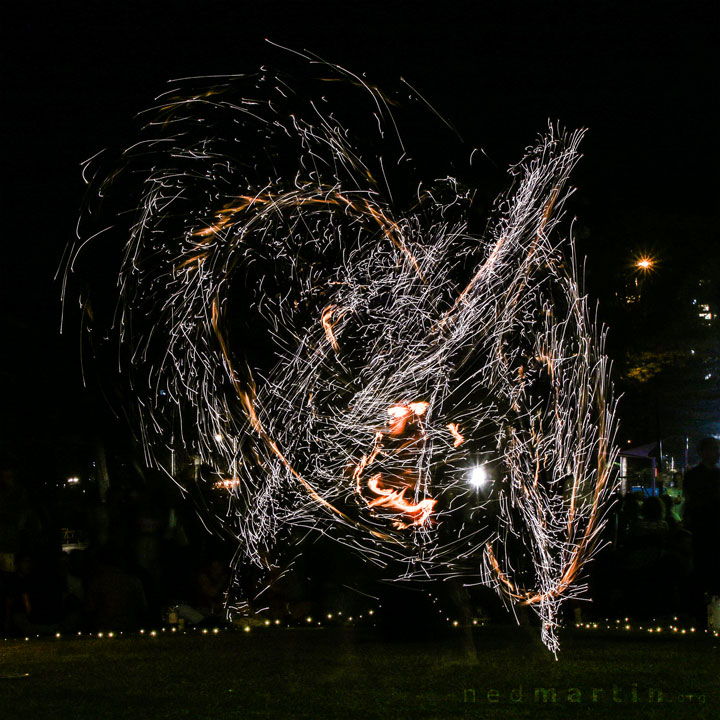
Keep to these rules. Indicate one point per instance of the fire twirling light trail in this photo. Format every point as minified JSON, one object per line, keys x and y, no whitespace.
{"x":330,"y":361}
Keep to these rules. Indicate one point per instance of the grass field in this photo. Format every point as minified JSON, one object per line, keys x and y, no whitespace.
{"x":349,"y":673}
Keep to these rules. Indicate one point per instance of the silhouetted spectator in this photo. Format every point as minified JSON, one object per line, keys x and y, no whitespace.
{"x":33,"y":604}
{"x":644,"y":563}
{"x":73,"y":600}
{"x":652,"y":521}
{"x":147,"y":538}
{"x":16,"y":518}
{"x":701,"y":487}
{"x":115,"y":598}
{"x":628,"y":516}
{"x":210,"y":585}
{"x":671,"y":519}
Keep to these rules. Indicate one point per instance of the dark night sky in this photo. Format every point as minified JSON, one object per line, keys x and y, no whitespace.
{"x":642,"y":76}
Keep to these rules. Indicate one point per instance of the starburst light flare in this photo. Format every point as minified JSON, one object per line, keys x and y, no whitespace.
{"x":331,"y":360}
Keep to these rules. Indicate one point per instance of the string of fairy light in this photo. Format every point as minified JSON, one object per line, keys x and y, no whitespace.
{"x":332,"y":620}
{"x":436,"y":399}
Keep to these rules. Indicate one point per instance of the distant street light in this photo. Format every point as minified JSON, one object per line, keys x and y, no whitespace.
{"x":645,"y":264}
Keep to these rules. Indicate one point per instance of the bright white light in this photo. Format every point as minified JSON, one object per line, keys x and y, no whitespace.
{"x":478,"y":476}
{"x":73,"y":480}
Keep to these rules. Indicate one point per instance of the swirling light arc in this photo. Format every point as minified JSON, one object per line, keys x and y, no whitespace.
{"x":402,"y":347}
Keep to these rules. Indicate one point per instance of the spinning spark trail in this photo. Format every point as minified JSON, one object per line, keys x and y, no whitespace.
{"x":327,"y":361}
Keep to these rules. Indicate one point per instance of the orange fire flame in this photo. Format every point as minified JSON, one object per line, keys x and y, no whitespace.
{"x":394,"y":499}
{"x":326,"y":320}
{"x":455,"y":430}
{"x":227,"y":483}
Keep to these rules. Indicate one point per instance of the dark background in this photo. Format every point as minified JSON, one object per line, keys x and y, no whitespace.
{"x":641,"y":76}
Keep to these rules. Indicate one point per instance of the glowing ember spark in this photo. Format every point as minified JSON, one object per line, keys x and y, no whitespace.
{"x":286,"y":326}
